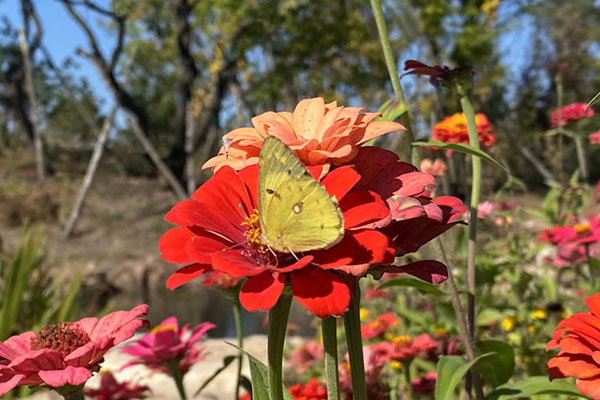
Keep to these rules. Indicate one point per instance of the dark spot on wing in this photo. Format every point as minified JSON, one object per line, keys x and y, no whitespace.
{"x":297,"y":208}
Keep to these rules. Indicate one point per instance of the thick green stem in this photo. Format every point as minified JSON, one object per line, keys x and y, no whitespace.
{"x":239,"y":331}
{"x":329,"y":331}
{"x":178,"y":378}
{"x":581,"y":158}
{"x":475,"y":191}
{"x":384,"y":38}
{"x":278,"y":318}
{"x":355,"y":349}
{"x":77,"y":395}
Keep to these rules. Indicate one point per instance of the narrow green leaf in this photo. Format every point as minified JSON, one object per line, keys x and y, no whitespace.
{"x":592,"y":101}
{"x":450,"y":372}
{"x":392,"y":109}
{"x":226,"y":361}
{"x":421,"y":286}
{"x":462,"y":148}
{"x":534,"y":385}
{"x":498,"y":368}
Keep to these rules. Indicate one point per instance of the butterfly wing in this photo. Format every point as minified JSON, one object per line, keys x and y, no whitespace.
{"x":296,"y":212}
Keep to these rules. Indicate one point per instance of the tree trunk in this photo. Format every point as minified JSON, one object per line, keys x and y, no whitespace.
{"x":190,"y":167}
{"x":29,"y":88}
{"x":90,"y":172}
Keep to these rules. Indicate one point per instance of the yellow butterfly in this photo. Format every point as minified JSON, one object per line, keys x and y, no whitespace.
{"x":296,"y":212}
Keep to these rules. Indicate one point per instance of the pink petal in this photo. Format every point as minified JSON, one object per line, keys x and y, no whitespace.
{"x":74,"y":376}
{"x":9,"y":381}
{"x":120,"y":325}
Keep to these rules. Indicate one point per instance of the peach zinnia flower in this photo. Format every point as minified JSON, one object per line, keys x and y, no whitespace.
{"x":453,"y":129}
{"x":319,"y":133}
{"x":435,"y":168}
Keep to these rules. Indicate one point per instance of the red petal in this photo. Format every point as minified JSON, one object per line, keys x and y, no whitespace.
{"x":262,"y":291}
{"x":428,"y":270}
{"x":322,"y":292}
{"x":172,"y":245}
{"x":415,"y":184}
{"x":452,"y":207}
{"x":186,"y":274}
{"x":361,"y":246}
{"x":301,"y":263}
{"x":589,"y":387}
{"x":201,"y":246}
{"x":339,"y":181}
{"x":250,"y":177}
{"x":593,"y":303}
{"x":235,"y":264}
{"x":363,"y":208}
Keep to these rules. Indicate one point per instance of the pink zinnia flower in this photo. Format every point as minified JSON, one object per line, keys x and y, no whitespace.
{"x":594,"y":137}
{"x":435,"y":168}
{"x":65,"y":353}
{"x":166,"y":344}
{"x":570,"y":112}
{"x":424,"y":384}
{"x":110,"y":389}
{"x":306,"y":355}
{"x":484,"y":209}
{"x":319,"y":133}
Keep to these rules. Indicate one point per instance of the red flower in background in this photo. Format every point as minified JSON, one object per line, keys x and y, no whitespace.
{"x":570,"y":112}
{"x":65,"y":353}
{"x":578,"y":341}
{"x":453,"y":129}
{"x":436,"y":73}
{"x":378,"y":326}
{"x":110,"y":389}
{"x":313,"y":390}
{"x":574,"y":241}
{"x":168,"y":344}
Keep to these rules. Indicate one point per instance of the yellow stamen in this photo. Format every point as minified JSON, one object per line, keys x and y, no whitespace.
{"x":253,"y":232}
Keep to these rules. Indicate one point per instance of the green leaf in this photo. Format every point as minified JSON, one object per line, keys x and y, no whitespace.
{"x":421,"y":286}
{"x":534,"y":385}
{"x":450,"y":371}
{"x":498,"y":368}
{"x":392,"y":109}
{"x":226,"y":361}
{"x":488,"y":316}
{"x":259,"y":375}
{"x":462,"y":148}
{"x":593,"y":101}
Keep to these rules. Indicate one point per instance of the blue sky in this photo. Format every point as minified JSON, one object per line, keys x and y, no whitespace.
{"x":62,"y":37}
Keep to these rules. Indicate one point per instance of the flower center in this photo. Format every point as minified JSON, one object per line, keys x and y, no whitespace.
{"x":253,"y":232}
{"x":64,"y":337}
{"x":581,"y":228}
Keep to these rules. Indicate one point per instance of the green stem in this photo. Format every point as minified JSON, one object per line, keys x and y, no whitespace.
{"x":384,"y":38}
{"x":77,"y":395}
{"x":239,"y":331}
{"x":408,"y":382}
{"x":178,"y":378}
{"x":467,"y":108}
{"x":355,"y":349}
{"x":278,"y":318}
{"x":329,"y":331}
{"x":581,"y":158}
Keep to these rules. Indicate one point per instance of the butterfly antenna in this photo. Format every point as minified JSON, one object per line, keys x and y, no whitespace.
{"x":274,"y":255}
{"x":293,"y":254}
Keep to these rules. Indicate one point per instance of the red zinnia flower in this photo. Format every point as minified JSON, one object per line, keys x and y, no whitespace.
{"x":219,"y":230}
{"x":166,"y":344}
{"x":314,"y":390}
{"x":454,"y":129}
{"x":424,"y":384}
{"x":578,"y":338}
{"x":570,"y":112}
{"x":110,"y":389}
{"x":65,"y":353}
{"x":378,"y":326}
